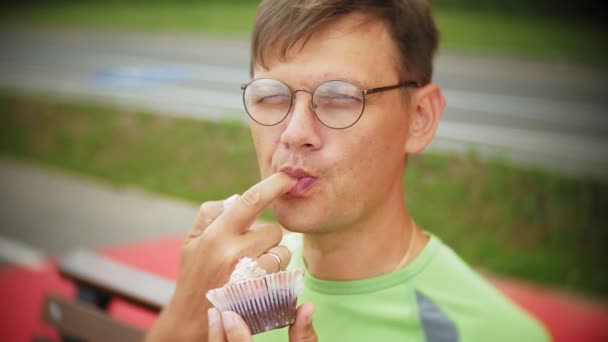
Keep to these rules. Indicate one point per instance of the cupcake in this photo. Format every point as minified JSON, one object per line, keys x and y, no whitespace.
{"x":264,"y":301}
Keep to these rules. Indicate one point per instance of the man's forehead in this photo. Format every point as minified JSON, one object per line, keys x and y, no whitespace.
{"x":352,"y":23}
{"x":351,"y":28}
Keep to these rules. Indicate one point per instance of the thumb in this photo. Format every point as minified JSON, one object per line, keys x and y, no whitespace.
{"x":302,"y":330}
{"x":236,"y":329}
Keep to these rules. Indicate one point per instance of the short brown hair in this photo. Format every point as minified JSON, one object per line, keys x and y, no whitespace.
{"x":279,"y":24}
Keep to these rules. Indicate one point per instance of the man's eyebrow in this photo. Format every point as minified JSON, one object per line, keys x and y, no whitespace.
{"x":313,"y":81}
{"x":331,"y":76}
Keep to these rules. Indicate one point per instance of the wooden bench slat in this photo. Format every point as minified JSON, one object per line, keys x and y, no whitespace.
{"x":101,"y":273}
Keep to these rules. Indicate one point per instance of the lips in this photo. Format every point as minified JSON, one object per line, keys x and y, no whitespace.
{"x":305,"y":181}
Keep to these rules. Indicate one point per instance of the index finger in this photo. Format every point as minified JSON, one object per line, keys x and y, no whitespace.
{"x":244,"y":212}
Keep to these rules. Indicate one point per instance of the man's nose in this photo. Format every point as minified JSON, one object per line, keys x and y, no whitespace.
{"x":302,"y":129}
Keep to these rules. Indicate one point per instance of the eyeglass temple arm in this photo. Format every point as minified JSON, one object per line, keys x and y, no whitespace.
{"x":400,"y":85}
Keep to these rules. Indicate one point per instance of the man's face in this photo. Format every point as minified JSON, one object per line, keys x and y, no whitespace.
{"x":355,"y":171}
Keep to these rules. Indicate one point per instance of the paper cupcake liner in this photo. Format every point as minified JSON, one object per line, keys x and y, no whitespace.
{"x":265,"y":303}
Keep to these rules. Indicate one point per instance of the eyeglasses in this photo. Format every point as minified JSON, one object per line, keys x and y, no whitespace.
{"x":336,"y":104}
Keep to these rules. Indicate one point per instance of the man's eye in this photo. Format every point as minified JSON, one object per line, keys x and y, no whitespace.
{"x":338,"y":98}
{"x":272,"y":99}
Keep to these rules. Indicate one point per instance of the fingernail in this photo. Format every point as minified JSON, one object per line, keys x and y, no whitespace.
{"x":229,"y":202}
{"x":213,"y":316}
{"x":228,"y":319}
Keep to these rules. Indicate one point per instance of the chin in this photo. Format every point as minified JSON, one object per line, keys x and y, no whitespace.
{"x":296,"y":218}
{"x":296,"y":223}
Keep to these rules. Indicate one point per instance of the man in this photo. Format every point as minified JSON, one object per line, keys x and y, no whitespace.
{"x":341,"y":96}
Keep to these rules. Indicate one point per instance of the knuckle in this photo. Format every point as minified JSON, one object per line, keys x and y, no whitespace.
{"x":275,"y":233}
{"x":208,"y":220}
{"x":311,"y":337}
{"x":232,"y":254}
{"x":212,"y":237}
{"x":188,"y":248}
{"x":210,"y":240}
{"x":195,"y":232}
{"x":308,"y":335}
{"x":251,"y":197}
{"x":284,"y":252}
{"x":207,"y":213}
{"x":206,"y":207}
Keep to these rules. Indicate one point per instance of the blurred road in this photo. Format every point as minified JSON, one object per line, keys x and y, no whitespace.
{"x":548,"y":115}
{"x":48,"y":212}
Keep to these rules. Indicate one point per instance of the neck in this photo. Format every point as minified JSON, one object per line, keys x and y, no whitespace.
{"x":374,"y":246}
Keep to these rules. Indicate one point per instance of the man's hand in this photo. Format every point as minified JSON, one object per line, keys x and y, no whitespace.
{"x":230,"y":327}
{"x":219,"y":237}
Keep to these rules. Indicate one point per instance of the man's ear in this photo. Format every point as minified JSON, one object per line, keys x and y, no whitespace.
{"x":426,"y":105}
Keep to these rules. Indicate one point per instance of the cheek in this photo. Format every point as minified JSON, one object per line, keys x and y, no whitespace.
{"x":351,"y":160}
{"x":265,"y":145}
{"x":369,"y":162}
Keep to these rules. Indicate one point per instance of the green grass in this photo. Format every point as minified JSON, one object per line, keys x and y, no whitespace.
{"x":195,"y":160}
{"x":214,"y":17}
{"x":522,"y":35}
{"x":539,"y":226}
{"x":485,"y":32}
{"x":224,"y":18}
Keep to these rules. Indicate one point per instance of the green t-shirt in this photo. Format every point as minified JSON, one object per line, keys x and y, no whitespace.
{"x":437,"y":297}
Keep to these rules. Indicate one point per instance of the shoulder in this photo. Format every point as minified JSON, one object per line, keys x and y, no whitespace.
{"x":449,"y":274}
{"x":475,"y":306}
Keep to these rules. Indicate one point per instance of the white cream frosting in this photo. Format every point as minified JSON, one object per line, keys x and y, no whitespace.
{"x":246,"y":268}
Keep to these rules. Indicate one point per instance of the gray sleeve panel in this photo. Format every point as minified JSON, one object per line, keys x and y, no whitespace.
{"x":437,"y":326}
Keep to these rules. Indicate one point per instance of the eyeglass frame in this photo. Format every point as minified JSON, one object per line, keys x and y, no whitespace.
{"x":406,"y":84}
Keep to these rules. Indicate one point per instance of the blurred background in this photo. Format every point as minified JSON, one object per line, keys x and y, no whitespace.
{"x":118,"y":118}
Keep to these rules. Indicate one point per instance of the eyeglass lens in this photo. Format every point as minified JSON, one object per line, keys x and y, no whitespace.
{"x":337,"y":104}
